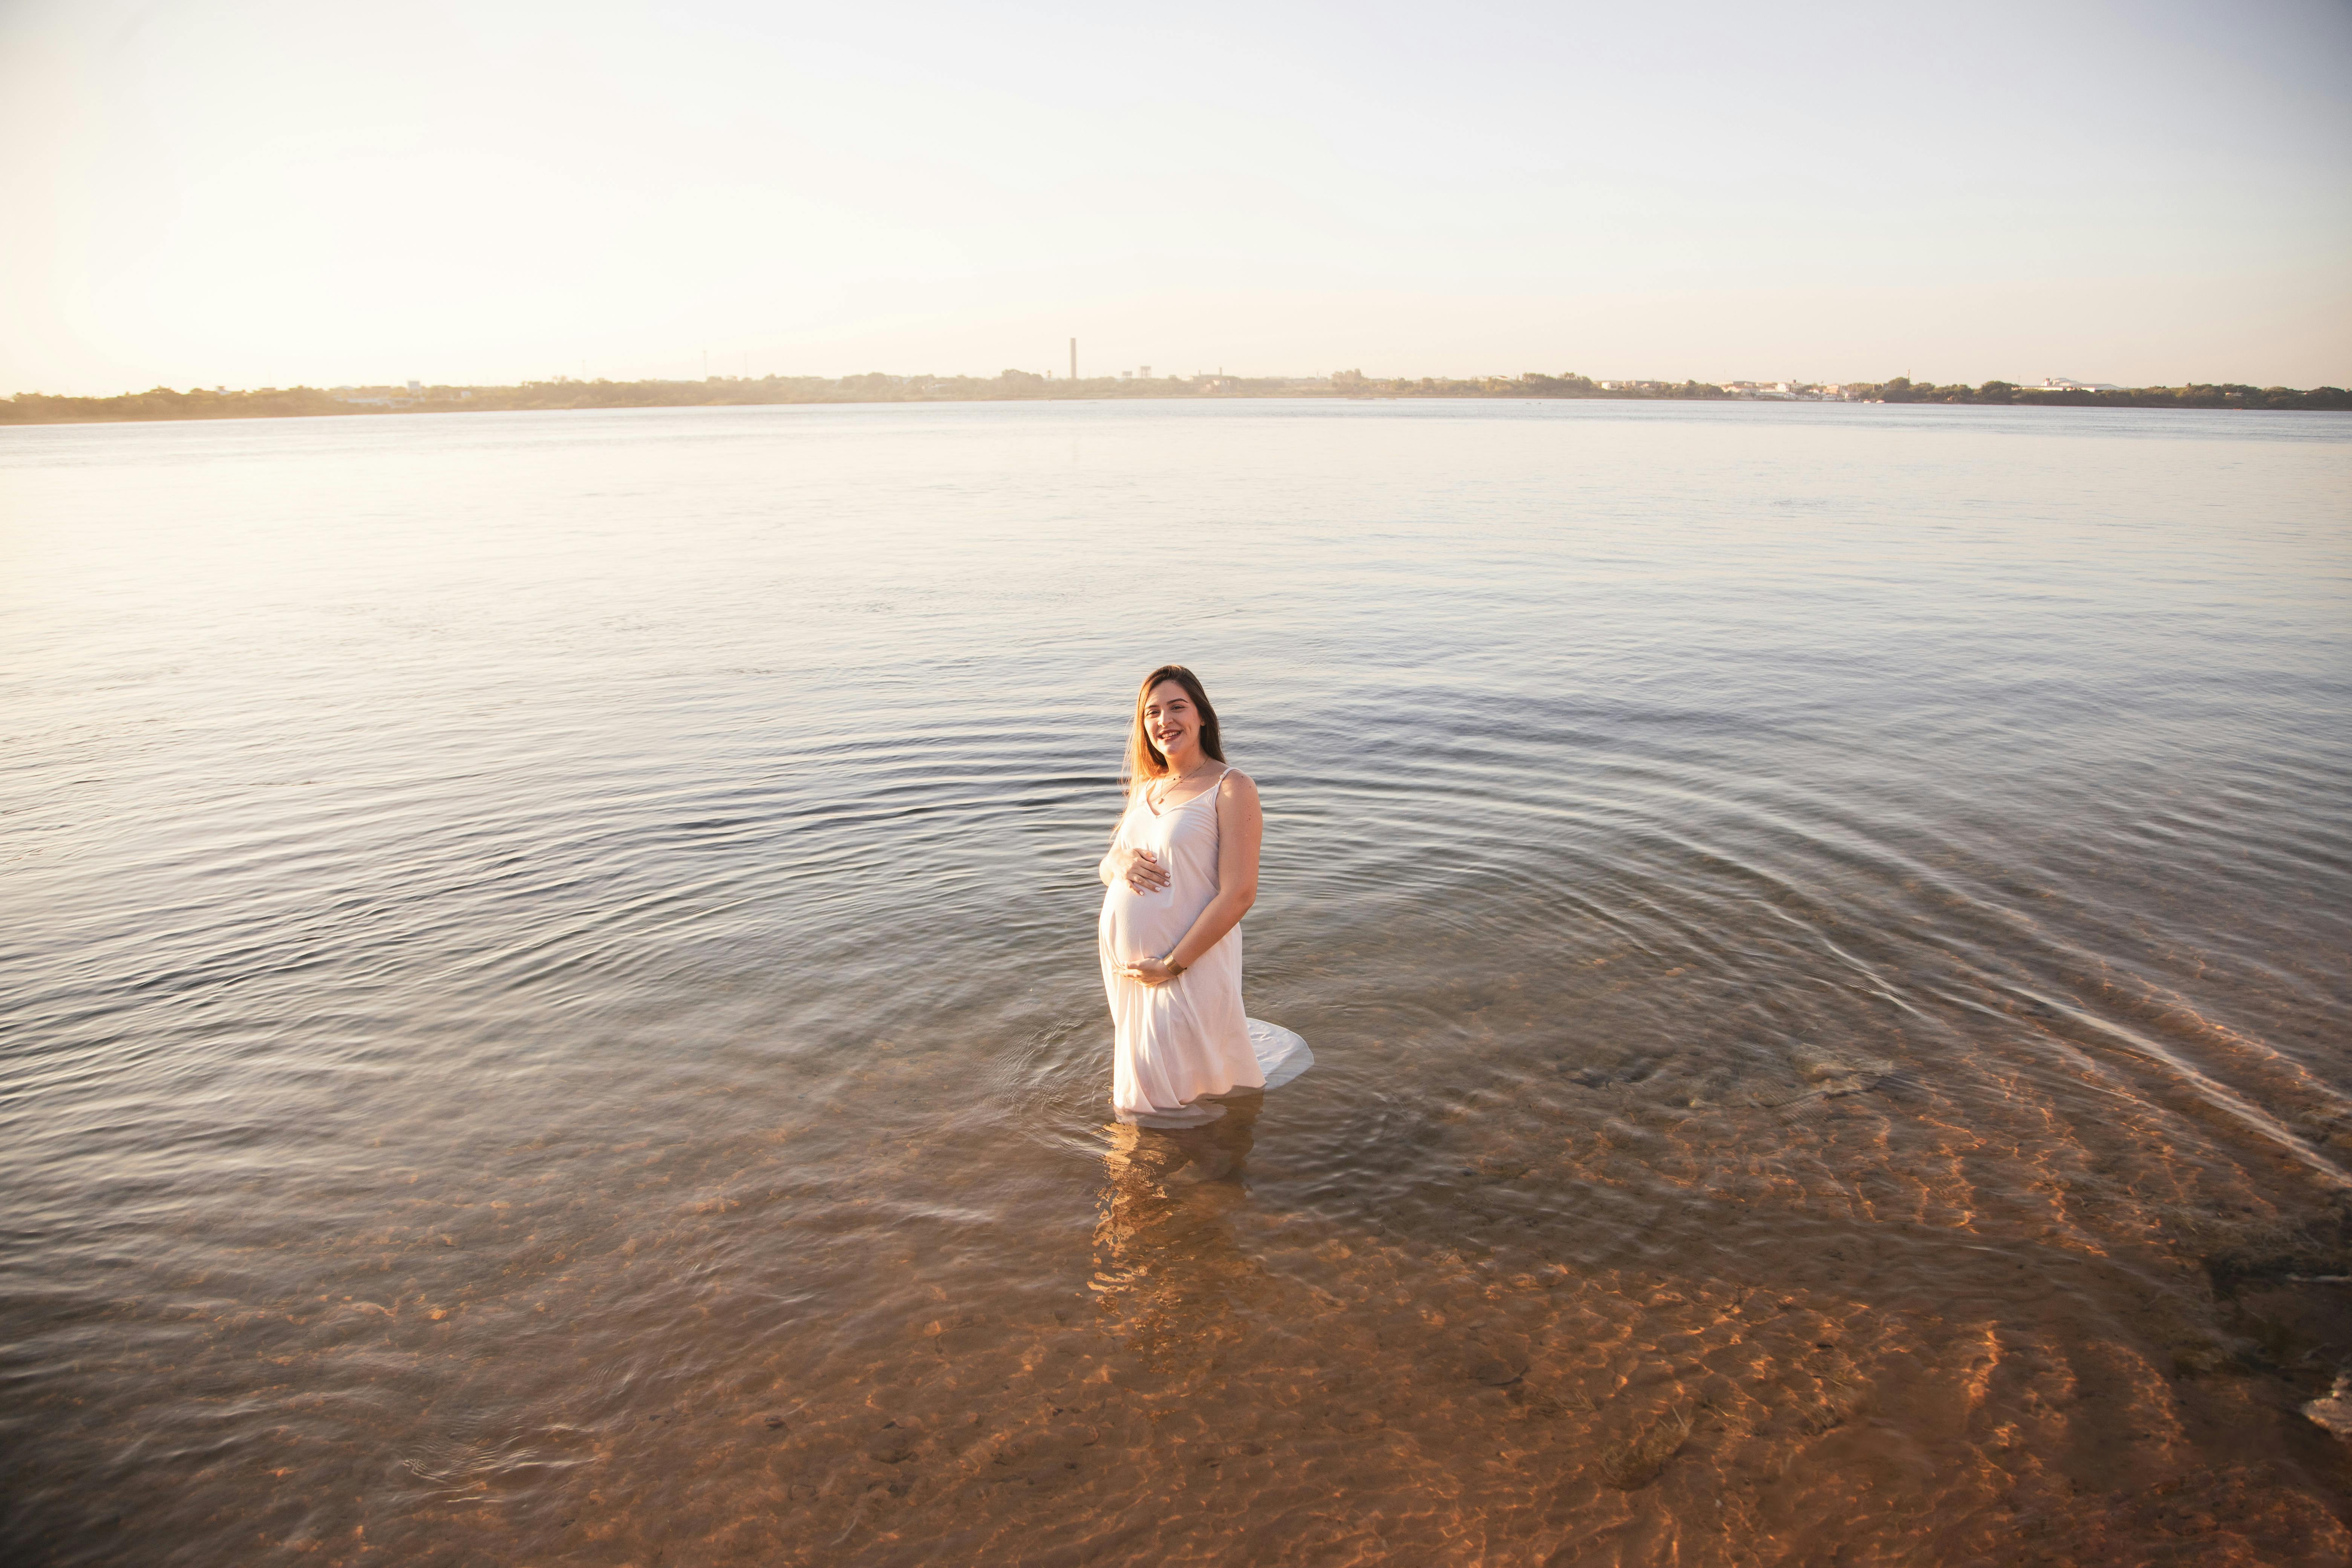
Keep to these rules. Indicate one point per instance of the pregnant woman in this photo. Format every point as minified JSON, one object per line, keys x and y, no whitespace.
{"x":1182,"y":871}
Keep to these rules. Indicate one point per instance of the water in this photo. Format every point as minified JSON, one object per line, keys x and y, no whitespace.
{"x":550,"y":1007}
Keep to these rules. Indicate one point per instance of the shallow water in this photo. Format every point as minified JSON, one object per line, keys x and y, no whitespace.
{"x":551,"y":1014}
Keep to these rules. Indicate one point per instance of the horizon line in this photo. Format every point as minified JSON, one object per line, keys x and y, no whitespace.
{"x":1140,"y":377}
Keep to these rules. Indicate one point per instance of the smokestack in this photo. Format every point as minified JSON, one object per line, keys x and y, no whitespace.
{"x":1073,"y":359}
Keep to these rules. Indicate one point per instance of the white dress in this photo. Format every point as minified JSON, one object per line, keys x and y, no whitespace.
{"x":1188,"y":1038}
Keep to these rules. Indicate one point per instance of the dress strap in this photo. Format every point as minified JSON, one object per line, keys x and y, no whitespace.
{"x":1214,"y":783}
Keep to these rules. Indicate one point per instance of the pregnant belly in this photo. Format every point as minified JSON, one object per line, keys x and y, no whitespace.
{"x":1143,"y":925}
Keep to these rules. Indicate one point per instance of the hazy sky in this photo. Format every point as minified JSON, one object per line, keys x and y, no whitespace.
{"x":260,"y":192}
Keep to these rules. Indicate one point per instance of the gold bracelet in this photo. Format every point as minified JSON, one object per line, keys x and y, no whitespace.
{"x":1175,"y":968}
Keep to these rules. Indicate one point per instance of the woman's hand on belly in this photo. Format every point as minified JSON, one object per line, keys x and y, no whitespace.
{"x":1140,"y":868}
{"x":1149,"y":972}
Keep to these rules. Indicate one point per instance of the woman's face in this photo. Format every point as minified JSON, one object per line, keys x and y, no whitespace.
{"x":1170,"y":719}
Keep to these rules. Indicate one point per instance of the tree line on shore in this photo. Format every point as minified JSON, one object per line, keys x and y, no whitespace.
{"x":562,"y":392}
{"x":2223,"y":395}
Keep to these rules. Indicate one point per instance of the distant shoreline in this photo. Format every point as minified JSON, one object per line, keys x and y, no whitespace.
{"x":1023,"y":386}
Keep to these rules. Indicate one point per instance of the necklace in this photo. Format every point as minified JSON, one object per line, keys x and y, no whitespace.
{"x":1175,"y":783}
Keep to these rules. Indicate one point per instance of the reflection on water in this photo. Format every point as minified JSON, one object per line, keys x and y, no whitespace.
{"x":1166,"y":1262}
{"x":551,"y":1012}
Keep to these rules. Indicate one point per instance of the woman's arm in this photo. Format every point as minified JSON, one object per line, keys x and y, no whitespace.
{"x":1240,"y":831}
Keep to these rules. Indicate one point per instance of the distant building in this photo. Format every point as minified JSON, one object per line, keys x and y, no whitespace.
{"x":2062,"y":383}
{"x":1143,"y":375}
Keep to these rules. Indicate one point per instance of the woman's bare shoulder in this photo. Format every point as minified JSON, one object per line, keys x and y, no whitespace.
{"x":1237,"y":785}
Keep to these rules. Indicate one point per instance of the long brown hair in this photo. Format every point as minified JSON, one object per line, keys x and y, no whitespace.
{"x":1144,"y":762}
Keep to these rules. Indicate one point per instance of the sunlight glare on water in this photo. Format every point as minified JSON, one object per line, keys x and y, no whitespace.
{"x":551,"y":1005}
